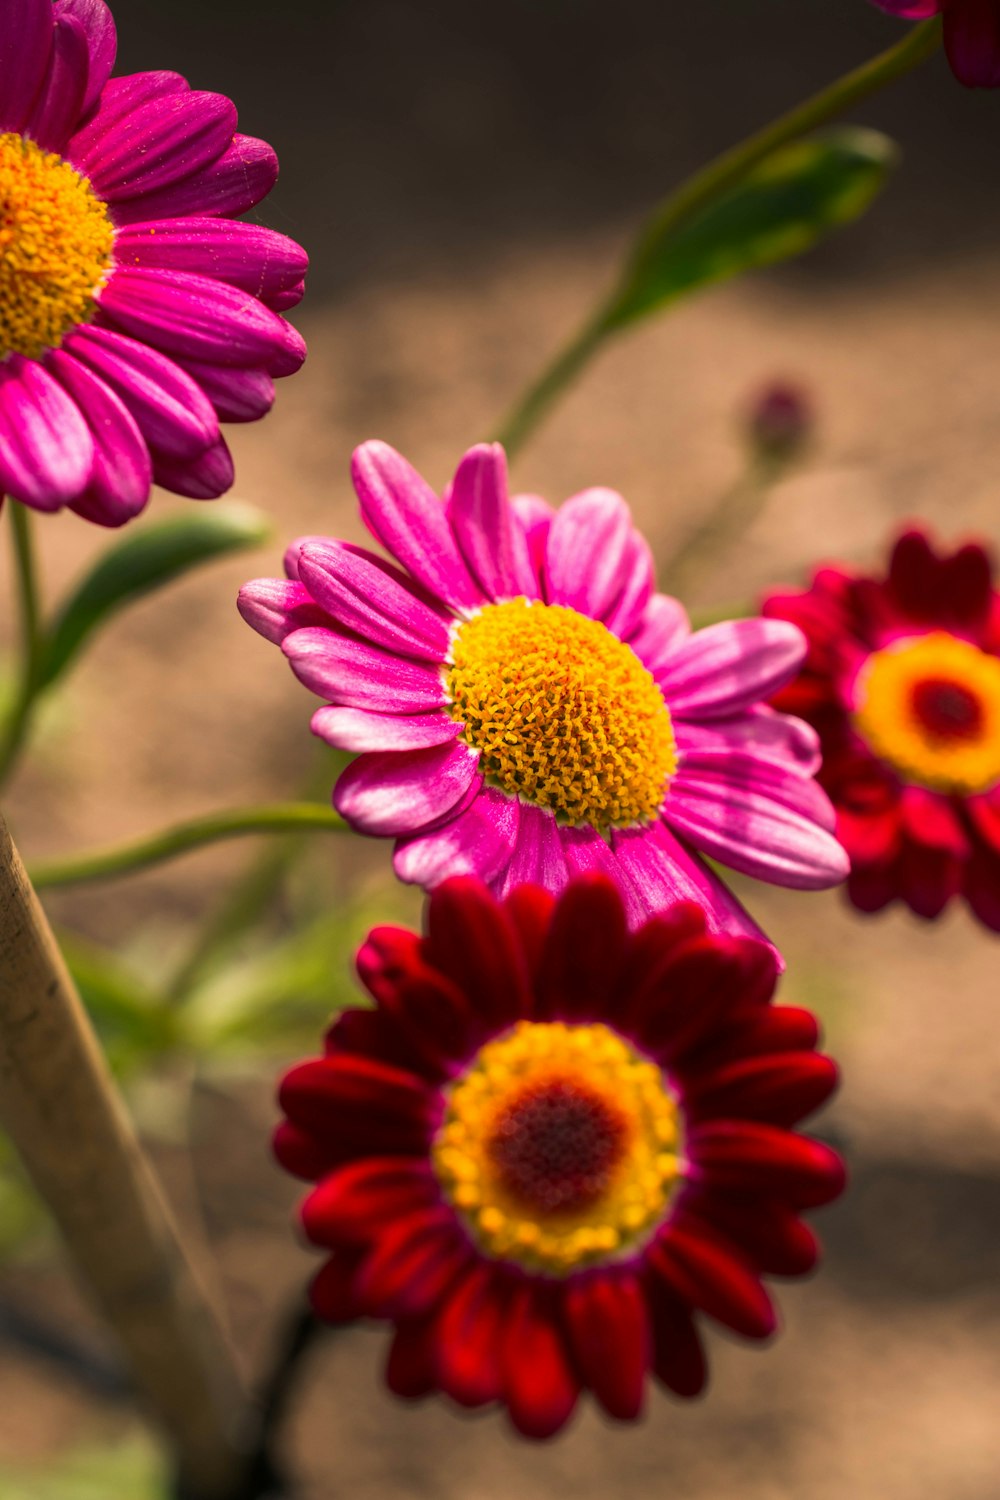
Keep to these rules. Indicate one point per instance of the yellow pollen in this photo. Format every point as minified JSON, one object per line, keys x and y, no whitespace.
{"x":563,"y":714}
{"x":56,"y":239}
{"x":559,"y":1147}
{"x":929,"y":705}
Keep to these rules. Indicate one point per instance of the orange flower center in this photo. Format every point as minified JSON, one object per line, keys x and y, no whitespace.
{"x":930,"y":706}
{"x":56,"y":239}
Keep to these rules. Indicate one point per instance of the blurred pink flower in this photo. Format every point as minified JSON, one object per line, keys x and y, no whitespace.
{"x":971,"y":35}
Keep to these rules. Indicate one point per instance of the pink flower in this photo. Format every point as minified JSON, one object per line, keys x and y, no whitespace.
{"x":526,"y":707}
{"x":135,"y":312}
{"x":971,"y":35}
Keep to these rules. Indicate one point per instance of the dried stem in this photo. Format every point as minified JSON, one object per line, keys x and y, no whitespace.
{"x":66,"y":1119}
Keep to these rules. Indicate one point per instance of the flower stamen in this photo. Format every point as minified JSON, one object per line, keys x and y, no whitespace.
{"x":930,"y":706}
{"x":56,"y":241}
{"x":559,"y":1147}
{"x":563,"y":714}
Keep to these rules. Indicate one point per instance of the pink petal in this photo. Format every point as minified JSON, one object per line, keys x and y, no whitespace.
{"x":121,"y":474}
{"x":403,"y":513}
{"x":535,"y":515}
{"x":236,"y":395}
{"x":202,"y":319}
{"x":275,"y":608}
{"x":235,"y":182}
{"x":734,"y":767}
{"x":628,"y":612}
{"x":537,"y":857}
{"x":157,"y":143}
{"x":750,"y":830}
{"x":60,"y":99}
{"x":206,"y":477}
{"x":660,"y":633}
{"x":102,"y":43}
{"x":360,"y":730}
{"x":363,"y":599}
{"x":258,"y":260}
{"x":728,"y":667}
{"x":174,"y":415}
{"x":479,"y":841}
{"x":588,"y":552}
{"x":972,"y":41}
{"x":120,"y":99}
{"x":361,"y":676}
{"x":388,"y":793}
{"x":26,"y":29}
{"x":490,"y":538}
{"x":762,"y":732}
{"x":664,"y":871}
{"x":46,"y":450}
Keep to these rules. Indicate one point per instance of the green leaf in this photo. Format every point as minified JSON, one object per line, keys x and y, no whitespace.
{"x":145,"y":559}
{"x":782,"y":208}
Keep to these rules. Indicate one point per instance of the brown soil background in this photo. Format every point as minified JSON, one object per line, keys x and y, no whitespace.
{"x":464,"y":177}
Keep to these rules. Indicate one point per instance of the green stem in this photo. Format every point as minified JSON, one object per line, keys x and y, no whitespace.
{"x":918,"y":44}
{"x":139,"y":854}
{"x":15,"y":730}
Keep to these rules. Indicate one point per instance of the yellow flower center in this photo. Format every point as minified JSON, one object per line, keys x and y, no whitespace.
{"x":563,"y":714}
{"x":559,"y":1146}
{"x":56,"y":239}
{"x":930,"y":706}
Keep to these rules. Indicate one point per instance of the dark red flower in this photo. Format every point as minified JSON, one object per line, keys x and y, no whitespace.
{"x":902,"y":681}
{"x":552,"y":1143}
{"x":971,"y":35}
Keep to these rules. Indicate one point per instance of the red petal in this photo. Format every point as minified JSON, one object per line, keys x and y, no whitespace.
{"x":872,"y":887}
{"x":469,"y":1334}
{"x":584,"y":952}
{"x":767,"y":1231}
{"x":982,"y":887}
{"x":385,"y":957}
{"x":539,"y":1382}
{"x":707,"y":1271}
{"x":529,"y":908}
{"x":610,"y":1336}
{"x":762,"y":1158}
{"x":472,"y":940}
{"x":696,"y":990}
{"x":301,"y":1153}
{"x":412,"y":1265}
{"x":985,"y":814}
{"x":932,"y":820}
{"x":972,"y":41}
{"x":928,"y":879}
{"x":914,"y":578}
{"x":767,"y":1029}
{"x":678,"y":1355}
{"x":333,"y":1292}
{"x":409,"y":1370}
{"x":655,"y":940}
{"x":356,"y":1201}
{"x":780,"y":1089}
{"x":335,"y":1094}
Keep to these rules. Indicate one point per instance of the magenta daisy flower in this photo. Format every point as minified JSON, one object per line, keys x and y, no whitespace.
{"x":971,"y":35}
{"x":135,"y":314}
{"x":553,"y":1146}
{"x":526,"y":706}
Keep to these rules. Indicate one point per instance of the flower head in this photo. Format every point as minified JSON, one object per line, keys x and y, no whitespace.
{"x":526,"y":706}
{"x":553,"y":1143}
{"x":971,"y":35}
{"x":902,"y":682}
{"x":135,"y":312}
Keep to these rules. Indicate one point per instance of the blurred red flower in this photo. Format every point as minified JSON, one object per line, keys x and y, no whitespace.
{"x":971,"y":35}
{"x":902,"y":682}
{"x":552,"y":1142}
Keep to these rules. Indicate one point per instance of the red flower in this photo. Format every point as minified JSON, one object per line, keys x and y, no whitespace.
{"x":971,"y":35}
{"x":552,"y":1142}
{"x":902,"y":681}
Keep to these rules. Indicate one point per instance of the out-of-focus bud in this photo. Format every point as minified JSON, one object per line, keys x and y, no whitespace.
{"x":780,"y":421}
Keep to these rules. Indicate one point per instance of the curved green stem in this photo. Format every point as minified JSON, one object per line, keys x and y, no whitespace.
{"x":139,"y":854}
{"x":15,"y":730}
{"x":918,"y":44}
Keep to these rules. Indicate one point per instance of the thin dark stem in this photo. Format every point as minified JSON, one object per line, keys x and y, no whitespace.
{"x":15,"y":730}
